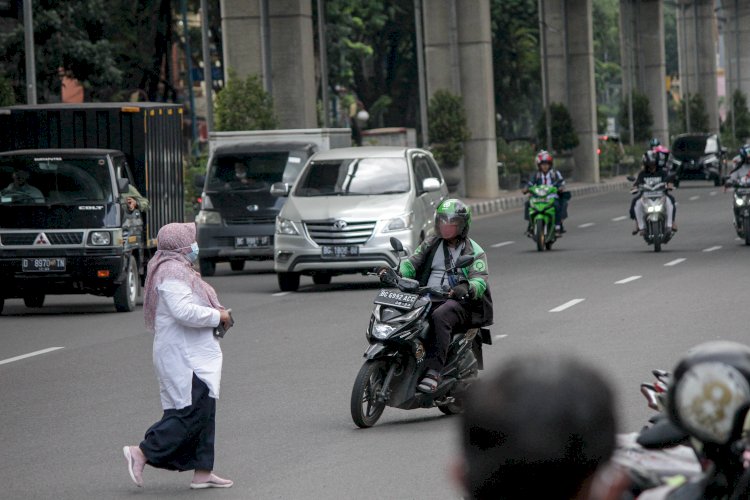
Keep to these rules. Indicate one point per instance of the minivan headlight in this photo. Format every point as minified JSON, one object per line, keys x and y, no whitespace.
{"x":286,"y":226}
{"x":208,"y":217}
{"x":399,"y":223}
{"x":100,"y":238}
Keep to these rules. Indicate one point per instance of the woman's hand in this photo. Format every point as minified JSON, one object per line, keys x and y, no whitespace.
{"x":225,"y":319}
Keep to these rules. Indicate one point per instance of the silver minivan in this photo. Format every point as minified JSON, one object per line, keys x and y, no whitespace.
{"x":345,"y":206}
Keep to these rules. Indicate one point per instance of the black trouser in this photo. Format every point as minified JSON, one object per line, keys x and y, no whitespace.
{"x":446,"y":319}
{"x":184,"y":439}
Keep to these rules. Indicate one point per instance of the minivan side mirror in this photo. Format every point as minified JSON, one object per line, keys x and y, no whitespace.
{"x":123,"y":184}
{"x":280,"y":189}
{"x":430,"y":184}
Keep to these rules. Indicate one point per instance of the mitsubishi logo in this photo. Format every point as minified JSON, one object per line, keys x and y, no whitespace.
{"x":340,"y":225}
{"x":41,"y":239}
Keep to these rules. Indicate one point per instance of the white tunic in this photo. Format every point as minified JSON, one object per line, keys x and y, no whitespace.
{"x":184,"y":344}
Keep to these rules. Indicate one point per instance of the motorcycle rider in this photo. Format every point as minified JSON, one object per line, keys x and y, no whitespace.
{"x":546,"y":175}
{"x":469,"y":303}
{"x":651,"y":172}
{"x":741,"y":165}
{"x":658,"y":156}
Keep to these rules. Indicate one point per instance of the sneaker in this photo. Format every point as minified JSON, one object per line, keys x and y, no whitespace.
{"x":213,"y":481}
{"x":430,"y":382}
{"x":136,"y":463}
{"x":674,"y":228}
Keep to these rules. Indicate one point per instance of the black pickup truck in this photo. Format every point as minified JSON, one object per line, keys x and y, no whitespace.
{"x":64,"y":174}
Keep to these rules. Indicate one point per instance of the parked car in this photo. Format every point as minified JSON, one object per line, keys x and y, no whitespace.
{"x":698,"y":156}
{"x":345,"y":206}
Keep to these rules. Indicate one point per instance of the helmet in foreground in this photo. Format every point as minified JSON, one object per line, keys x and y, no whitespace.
{"x":710,"y":392}
{"x":543,"y":157}
{"x":452,"y":212}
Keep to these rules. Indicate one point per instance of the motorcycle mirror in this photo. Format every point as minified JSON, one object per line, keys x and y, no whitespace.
{"x":396,"y":244}
{"x":630,"y":178}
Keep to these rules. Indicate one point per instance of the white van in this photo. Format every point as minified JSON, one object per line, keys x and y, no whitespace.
{"x":345,"y":206}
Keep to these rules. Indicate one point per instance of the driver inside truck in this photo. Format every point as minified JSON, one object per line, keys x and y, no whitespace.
{"x":134,"y":199}
{"x":21,"y":184}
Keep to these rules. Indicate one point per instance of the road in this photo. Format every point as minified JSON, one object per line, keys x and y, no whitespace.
{"x":283,"y":424}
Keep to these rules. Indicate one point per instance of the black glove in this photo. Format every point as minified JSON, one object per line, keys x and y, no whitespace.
{"x":461,"y":291}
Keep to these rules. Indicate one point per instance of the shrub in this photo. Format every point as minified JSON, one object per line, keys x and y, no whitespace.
{"x":446,"y":118}
{"x":643,"y":120}
{"x":244,"y":105}
{"x":564,"y":137}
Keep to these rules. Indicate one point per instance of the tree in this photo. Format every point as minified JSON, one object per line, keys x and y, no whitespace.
{"x":643,"y":120}
{"x":244,"y":105}
{"x":564,"y":137}
{"x":7,"y":95}
{"x":447,"y":126}
{"x":698,"y":115}
{"x":741,"y":117}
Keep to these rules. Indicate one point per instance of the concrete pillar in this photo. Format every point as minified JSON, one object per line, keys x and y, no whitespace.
{"x":570,"y":52}
{"x":458,"y":58}
{"x":736,"y":42}
{"x":292,"y":55}
{"x":696,"y":29}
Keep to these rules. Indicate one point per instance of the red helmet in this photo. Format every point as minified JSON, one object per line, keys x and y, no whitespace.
{"x":543,"y":157}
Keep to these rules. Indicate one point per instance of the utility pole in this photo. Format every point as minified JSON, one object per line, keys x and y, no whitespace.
{"x":545,"y":84}
{"x":28,"y":30}
{"x":424,"y":126}
{"x":323,"y":55}
{"x":189,"y":78}
{"x":265,"y":46}
{"x":207,"y":67}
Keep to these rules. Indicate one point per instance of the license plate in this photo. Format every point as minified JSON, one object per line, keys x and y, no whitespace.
{"x":653,"y":194}
{"x":43,"y":265}
{"x":339,"y":252}
{"x":396,"y":298}
{"x":252,"y":241}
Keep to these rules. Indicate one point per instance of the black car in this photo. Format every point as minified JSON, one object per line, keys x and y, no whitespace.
{"x":698,"y":157}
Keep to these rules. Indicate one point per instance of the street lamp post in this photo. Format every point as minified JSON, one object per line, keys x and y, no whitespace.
{"x":28,"y":29}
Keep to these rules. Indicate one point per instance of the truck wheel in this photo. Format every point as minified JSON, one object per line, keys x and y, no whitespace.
{"x":34,"y":301}
{"x":2,"y":304}
{"x":288,"y":282}
{"x":208,"y":267}
{"x":237,"y":265}
{"x":127,"y":292}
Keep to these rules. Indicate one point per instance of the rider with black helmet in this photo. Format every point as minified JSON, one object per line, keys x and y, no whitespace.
{"x":470,"y":302}
{"x":650,"y":171}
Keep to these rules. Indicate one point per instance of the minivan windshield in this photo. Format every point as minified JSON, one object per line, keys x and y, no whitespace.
{"x":350,"y":177}
{"x":254,"y":171}
{"x":26,"y":180}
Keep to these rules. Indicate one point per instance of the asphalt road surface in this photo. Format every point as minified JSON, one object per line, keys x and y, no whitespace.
{"x":78,"y":384}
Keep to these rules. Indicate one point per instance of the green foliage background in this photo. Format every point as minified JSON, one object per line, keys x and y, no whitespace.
{"x":447,"y":127}
{"x":564,"y":137}
{"x":244,"y":105}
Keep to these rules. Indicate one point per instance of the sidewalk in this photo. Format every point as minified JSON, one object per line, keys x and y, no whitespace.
{"x":514,"y":199}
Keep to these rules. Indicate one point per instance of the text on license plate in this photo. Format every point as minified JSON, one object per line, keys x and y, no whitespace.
{"x":396,"y":298}
{"x":340,"y":251}
{"x":43,"y":265}
{"x":252,"y":241}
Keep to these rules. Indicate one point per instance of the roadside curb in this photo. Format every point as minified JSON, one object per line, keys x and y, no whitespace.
{"x":516,"y":199}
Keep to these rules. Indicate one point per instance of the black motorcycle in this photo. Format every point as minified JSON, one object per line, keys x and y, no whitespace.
{"x":399,"y":326}
{"x":741,"y":207}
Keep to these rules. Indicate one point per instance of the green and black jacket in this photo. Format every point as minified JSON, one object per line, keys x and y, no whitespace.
{"x":418,"y":266}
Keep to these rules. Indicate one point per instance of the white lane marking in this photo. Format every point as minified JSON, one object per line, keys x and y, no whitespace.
{"x":280,"y":294}
{"x":35,"y":353}
{"x":693,"y":198}
{"x":588,"y":224}
{"x":568,"y":304}
{"x":712,"y":193}
{"x":498,"y":337}
{"x":711,"y":249}
{"x":502,"y":244}
{"x":674,"y":262}
{"x":628,"y":280}
{"x":622,"y":217}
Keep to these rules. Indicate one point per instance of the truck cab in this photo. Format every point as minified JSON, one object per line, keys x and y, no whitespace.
{"x":237,"y":219}
{"x":64,"y":227}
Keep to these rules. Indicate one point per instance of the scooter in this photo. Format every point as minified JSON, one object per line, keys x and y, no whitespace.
{"x":399,"y":326}
{"x":654,"y":205}
{"x":542,"y":215}
{"x":741,"y":207}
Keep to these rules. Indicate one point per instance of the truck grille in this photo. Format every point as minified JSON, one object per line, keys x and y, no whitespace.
{"x":340,"y":232}
{"x":54,"y":237}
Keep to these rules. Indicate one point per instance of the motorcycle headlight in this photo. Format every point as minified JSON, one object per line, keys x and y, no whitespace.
{"x":286,"y":226}
{"x":382,"y":330}
{"x":208,"y":217}
{"x":399,"y":223}
{"x":739,"y":202}
{"x":656,"y":207}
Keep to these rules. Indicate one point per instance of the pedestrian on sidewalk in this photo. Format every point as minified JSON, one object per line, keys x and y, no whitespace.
{"x":183,"y":311}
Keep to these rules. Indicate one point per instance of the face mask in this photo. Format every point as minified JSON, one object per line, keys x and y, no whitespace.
{"x":240,"y":175}
{"x":192,"y":255}
{"x":448,"y":231}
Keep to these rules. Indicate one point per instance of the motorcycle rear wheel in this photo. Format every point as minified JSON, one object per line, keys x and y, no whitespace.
{"x":365,"y":410}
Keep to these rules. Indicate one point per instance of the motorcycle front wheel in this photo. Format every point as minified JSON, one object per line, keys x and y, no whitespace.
{"x":539,"y":234}
{"x":366,"y":410}
{"x":656,"y":229}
